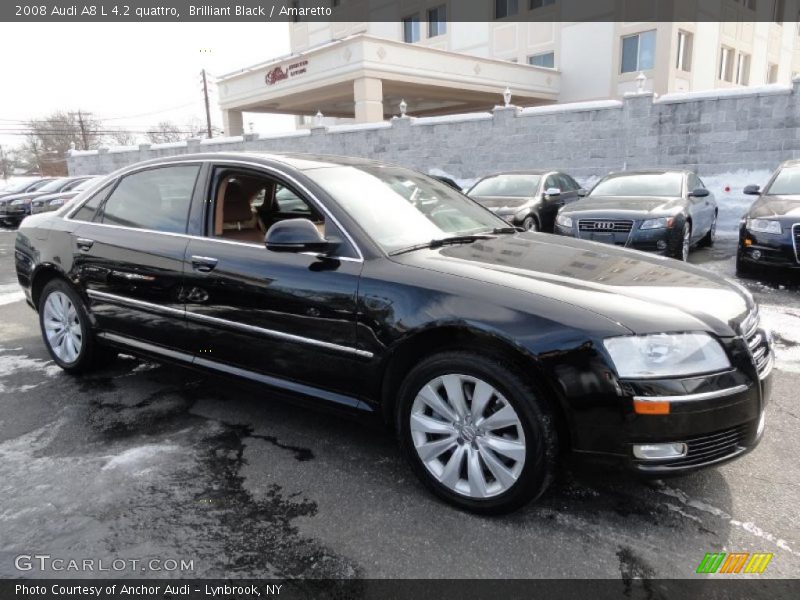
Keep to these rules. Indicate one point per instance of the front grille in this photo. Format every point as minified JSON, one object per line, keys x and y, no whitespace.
{"x":605,"y":225}
{"x":715,"y":446}
{"x":796,"y":238}
{"x":757,"y":343}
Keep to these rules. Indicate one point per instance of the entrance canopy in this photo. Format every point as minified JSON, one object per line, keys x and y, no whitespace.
{"x":365,"y":78}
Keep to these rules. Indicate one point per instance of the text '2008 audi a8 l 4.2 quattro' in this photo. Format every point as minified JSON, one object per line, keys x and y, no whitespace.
{"x":382,"y":291}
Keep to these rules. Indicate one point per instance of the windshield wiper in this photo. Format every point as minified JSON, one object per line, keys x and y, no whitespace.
{"x":501,"y":230}
{"x":448,"y":241}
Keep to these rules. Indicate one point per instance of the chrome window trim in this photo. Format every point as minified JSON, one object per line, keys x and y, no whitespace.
{"x":290,"y":337}
{"x":694,"y":397}
{"x":212,"y":161}
{"x":224,"y":368}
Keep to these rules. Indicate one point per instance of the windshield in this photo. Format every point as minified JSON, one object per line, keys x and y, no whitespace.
{"x":19,"y":186}
{"x":787,"y":182}
{"x":85,"y":184}
{"x":399,"y":208}
{"x":53,"y":186}
{"x":645,"y":184}
{"x":517,"y":185}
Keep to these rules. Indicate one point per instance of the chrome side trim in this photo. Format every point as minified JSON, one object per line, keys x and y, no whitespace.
{"x":276,"y":382}
{"x":272,"y":170}
{"x":290,"y":337}
{"x":694,"y":397}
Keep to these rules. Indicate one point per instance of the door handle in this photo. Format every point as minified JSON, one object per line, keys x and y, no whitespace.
{"x":204,"y":264}
{"x":84,"y":243}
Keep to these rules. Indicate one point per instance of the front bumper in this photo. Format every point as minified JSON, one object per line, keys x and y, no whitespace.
{"x":771,"y":250}
{"x":646,"y":240}
{"x":13,"y":213}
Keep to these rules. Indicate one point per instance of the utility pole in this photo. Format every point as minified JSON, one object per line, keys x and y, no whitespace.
{"x":205,"y":97}
{"x":83,"y":131}
{"x":3,"y":164}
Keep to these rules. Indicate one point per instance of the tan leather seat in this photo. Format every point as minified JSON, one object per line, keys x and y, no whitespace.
{"x":238,"y":220}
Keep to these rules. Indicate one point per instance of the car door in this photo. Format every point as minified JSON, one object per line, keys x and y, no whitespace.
{"x":701,"y":209}
{"x":129,"y":254}
{"x":281,"y":317}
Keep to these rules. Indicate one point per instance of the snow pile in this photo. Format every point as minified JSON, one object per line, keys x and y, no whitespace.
{"x":727,"y":188}
{"x":784,"y":322}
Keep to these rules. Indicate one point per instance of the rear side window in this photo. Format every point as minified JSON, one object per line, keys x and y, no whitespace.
{"x":156,"y":199}
{"x":89,"y":208}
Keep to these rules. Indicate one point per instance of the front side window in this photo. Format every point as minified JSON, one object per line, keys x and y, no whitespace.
{"x":640,"y":184}
{"x":398,"y":208}
{"x":547,"y":59}
{"x":411,"y":29}
{"x":156,"y":199}
{"x":786,"y":183}
{"x":514,"y":185}
{"x":638,"y":52}
{"x":683,"y":61}
{"x":505,"y":8}
{"x":437,"y":21}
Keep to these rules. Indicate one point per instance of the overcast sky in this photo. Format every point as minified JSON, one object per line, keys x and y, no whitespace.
{"x":130,"y":75}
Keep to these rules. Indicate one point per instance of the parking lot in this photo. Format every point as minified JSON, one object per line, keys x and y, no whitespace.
{"x":143,"y":461}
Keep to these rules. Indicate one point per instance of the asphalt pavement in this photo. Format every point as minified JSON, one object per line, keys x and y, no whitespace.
{"x":143,"y":461}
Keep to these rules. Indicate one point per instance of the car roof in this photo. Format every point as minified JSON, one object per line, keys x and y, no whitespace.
{"x":299,"y":161}
{"x":792,"y":162}
{"x":524,"y":172}
{"x":651,"y":172}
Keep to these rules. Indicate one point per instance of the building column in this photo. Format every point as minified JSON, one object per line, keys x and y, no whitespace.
{"x":233,"y":122}
{"x":368,"y":96}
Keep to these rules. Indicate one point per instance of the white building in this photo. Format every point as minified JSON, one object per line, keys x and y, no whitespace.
{"x":440,"y":65}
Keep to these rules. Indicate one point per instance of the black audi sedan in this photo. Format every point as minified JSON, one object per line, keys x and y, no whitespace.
{"x":15,"y":207}
{"x":27,"y":185}
{"x":663,"y":211}
{"x":49,"y":202}
{"x":526,"y":199}
{"x":769,"y":233}
{"x":378,"y":290}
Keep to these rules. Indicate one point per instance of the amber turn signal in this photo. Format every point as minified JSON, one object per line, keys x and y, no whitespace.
{"x":644,"y":407}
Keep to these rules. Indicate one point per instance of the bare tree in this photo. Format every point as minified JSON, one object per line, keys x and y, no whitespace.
{"x":50,"y":138}
{"x":122,"y":138}
{"x":165,"y":132}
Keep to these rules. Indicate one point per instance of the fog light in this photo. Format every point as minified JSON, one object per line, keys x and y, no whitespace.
{"x":756,"y":254}
{"x":760,"y":428}
{"x":661,"y":245}
{"x":659,"y":451}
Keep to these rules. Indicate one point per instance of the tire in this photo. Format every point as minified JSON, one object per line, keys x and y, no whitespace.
{"x":464,"y":447}
{"x":711,"y":236}
{"x":743,"y":269}
{"x":530,"y":223}
{"x":679,"y":249}
{"x":76,"y":351}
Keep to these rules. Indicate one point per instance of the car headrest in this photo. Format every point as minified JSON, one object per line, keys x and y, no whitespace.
{"x":236,"y":206}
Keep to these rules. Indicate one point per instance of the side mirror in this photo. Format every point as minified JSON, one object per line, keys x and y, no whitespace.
{"x":583,"y":193}
{"x":752,"y":190}
{"x":296,"y":235}
{"x":552,"y":192}
{"x":699,"y":193}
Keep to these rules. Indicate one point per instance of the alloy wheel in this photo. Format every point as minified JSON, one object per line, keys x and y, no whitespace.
{"x":468,"y":436}
{"x":529,"y":224}
{"x":62,"y":327}
{"x":713,"y":230}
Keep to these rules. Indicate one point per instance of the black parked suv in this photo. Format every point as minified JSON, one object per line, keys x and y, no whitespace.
{"x":379,"y":290}
{"x":769,"y":233}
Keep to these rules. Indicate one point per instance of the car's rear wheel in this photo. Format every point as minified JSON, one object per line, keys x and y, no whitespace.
{"x":530,"y":223}
{"x":66,"y":330}
{"x":476,"y":433}
{"x":711,"y":235}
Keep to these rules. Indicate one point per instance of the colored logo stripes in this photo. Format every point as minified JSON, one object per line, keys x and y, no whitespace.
{"x":733,"y":563}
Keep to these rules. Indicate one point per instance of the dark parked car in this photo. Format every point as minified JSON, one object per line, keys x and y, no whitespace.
{"x":28,"y":185}
{"x":769,"y":234}
{"x":388,"y":294}
{"x":664,"y":211}
{"x":526,"y":199}
{"x":15,"y":207}
{"x":49,"y":202}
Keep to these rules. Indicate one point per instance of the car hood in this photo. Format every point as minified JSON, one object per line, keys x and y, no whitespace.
{"x":11,"y":197}
{"x":642,"y":292}
{"x":775,"y":206}
{"x":627,"y":204}
{"x":53,"y":196}
{"x":502,"y":201}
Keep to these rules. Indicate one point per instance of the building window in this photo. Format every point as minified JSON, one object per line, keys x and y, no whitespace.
{"x":437,"y":21}
{"x":726,"y":64}
{"x":683,"y":61}
{"x":743,"y":69}
{"x":505,"y":8}
{"x":638,"y":52}
{"x":411,"y":29}
{"x":548,"y":59}
{"x":772,"y":73}
{"x":541,"y":3}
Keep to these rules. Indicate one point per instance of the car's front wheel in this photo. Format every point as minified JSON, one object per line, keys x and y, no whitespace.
{"x":682,"y":243}
{"x":66,"y":330}
{"x":530,"y":224}
{"x":476,"y":433}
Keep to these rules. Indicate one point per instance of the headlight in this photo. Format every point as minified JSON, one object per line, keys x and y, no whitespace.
{"x":666,"y":355}
{"x":764,"y":226}
{"x":659,"y":223}
{"x":19,"y":202}
{"x":564,"y":220}
{"x":56,"y":202}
